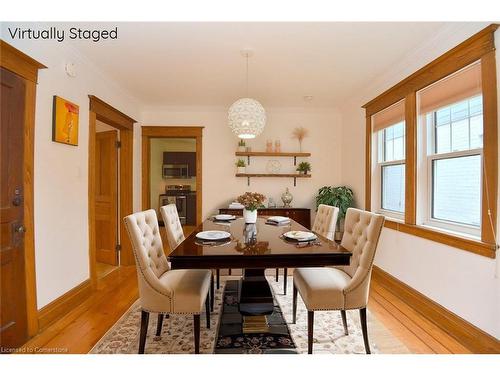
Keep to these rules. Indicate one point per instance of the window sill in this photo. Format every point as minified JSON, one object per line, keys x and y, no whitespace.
{"x":467,"y":244}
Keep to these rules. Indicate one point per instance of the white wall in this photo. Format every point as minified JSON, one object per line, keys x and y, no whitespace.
{"x":220,"y":186}
{"x":61,"y":171}
{"x":462,"y":282}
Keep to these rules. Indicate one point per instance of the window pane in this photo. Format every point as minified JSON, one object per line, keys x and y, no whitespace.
{"x":460,"y":135}
{"x":476,"y":132}
{"x":389,"y":150}
{"x":393,"y":187}
{"x":394,"y":146}
{"x":459,"y":111}
{"x":457,"y":189}
{"x":399,"y":148}
{"x":443,"y":139}
{"x":476,"y":105}
{"x":443,"y":116}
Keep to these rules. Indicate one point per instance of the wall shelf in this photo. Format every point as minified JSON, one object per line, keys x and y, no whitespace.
{"x":289,"y":175}
{"x":294,"y":155}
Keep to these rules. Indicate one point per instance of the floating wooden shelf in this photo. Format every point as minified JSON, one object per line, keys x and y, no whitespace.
{"x":289,"y":175}
{"x":294,"y":155}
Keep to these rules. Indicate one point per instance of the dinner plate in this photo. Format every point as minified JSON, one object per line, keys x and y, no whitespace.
{"x":224,"y":217}
{"x":213,"y":235}
{"x":298,"y":235}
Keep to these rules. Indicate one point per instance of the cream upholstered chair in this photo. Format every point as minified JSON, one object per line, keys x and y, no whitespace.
{"x":346,"y":287}
{"x":324,"y":224}
{"x":162,"y":290}
{"x":175,"y":233}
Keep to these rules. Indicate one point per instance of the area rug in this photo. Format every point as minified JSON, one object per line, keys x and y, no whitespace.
{"x":177,"y":333}
{"x":232,"y":340}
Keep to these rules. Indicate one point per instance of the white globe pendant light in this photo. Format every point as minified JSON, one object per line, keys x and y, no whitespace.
{"x":246,"y":116}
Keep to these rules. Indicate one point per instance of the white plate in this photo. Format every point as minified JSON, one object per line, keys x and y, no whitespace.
{"x":224,"y":217}
{"x":298,"y":235}
{"x":213,"y":235}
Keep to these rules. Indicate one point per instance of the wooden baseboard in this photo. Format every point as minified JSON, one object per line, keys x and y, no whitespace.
{"x":467,"y":334}
{"x":64,"y":304}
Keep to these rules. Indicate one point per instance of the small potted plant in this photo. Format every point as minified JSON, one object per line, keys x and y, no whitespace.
{"x":251,"y":202}
{"x":241,"y":146}
{"x":304,"y":167}
{"x":341,"y":197}
{"x":241,"y":166}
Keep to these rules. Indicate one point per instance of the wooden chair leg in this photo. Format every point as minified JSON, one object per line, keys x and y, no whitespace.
{"x":212,"y":293}
{"x":277,"y":274}
{"x":207,"y":308}
{"x":218,"y":279}
{"x":294,"y":304}
{"x":364,"y":329}
{"x":144,"y":331}
{"x":310,"y":330}
{"x":344,"y":321}
{"x":159,"y":324}
{"x":285,"y":278}
{"x":196,"y":323}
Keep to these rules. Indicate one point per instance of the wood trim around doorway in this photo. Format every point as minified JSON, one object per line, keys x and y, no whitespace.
{"x":100,"y":110}
{"x":172,"y":132}
{"x":24,"y":66}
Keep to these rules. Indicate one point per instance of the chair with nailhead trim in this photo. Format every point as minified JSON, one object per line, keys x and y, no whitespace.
{"x":162,"y":290}
{"x":324,"y":225}
{"x":344,"y":287}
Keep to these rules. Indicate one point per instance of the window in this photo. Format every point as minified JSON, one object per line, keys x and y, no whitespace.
{"x":389,"y":171}
{"x":452,"y":167}
{"x":444,"y":165}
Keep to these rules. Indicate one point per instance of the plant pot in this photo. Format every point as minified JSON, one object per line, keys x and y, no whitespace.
{"x":250,"y":216}
{"x":241,"y":169}
{"x":241,"y":148}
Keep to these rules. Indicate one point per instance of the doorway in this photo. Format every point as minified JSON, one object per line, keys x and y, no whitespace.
{"x":110,"y":188}
{"x":172,"y":158}
{"x":107,"y":170}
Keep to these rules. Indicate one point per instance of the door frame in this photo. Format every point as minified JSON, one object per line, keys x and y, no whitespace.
{"x":102,"y":111}
{"x":24,"y":66}
{"x":149,"y":132}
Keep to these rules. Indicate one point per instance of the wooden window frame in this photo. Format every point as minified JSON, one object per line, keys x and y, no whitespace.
{"x":479,"y":47}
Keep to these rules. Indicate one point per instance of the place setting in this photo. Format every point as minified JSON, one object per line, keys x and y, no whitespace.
{"x":301,"y":238}
{"x":213,"y":238}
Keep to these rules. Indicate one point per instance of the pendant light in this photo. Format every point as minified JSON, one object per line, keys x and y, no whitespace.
{"x":247,"y":116}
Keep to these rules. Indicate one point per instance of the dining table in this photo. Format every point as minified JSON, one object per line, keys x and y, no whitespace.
{"x":253,"y":248}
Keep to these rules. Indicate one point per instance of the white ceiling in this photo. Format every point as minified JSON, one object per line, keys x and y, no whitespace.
{"x":183,"y":64}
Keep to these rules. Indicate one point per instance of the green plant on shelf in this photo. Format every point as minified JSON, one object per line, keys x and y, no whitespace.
{"x":304,"y":167}
{"x":241,"y":143}
{"x":240,"y":163}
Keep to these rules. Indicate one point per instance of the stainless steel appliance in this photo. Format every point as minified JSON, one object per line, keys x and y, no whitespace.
{"x":175,"y":171}
{"x":176,"y":194}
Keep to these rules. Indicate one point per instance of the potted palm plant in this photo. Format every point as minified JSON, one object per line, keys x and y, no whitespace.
{"x":339,"y":196}
{"x":241,"y":166}
{"x":304,"y":167}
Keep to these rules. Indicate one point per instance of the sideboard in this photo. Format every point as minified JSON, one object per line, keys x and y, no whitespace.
{"x":300,"y":215}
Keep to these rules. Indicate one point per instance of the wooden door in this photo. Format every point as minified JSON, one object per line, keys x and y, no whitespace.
{"x":13,"y":318}
{"x":106,"y":197}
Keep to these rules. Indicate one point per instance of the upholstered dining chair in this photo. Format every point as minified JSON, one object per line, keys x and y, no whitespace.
{"x":162,"y":290}
{"x":324,"y":224}
{"x":175,"y":233}
{"x":343,"y":287}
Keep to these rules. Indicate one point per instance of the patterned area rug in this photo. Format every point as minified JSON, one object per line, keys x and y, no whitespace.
{"x":177,"y":333}
{"x":232,"y":340}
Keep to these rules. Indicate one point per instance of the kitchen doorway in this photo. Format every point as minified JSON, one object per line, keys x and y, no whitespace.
{"x":172,"y":172}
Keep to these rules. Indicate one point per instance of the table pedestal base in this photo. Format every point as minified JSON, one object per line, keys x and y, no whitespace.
{"x":256,"y":298}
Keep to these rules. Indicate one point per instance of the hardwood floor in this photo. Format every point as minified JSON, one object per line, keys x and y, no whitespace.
{"x":79,"y":331}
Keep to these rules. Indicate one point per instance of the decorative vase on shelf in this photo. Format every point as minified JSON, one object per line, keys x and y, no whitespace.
{"x":277,"y":146}
{"x":250,"y":216}
{"x":287,"y":198}
{"x":242,"y":170}
{"x":269,"y":146}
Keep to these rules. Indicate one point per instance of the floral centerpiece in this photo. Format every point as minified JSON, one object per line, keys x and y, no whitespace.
{"x":251,"y":202}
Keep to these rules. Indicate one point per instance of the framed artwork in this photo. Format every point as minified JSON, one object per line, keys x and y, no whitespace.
{"x":65,"y":121}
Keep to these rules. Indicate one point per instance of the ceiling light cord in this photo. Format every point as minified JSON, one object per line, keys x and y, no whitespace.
{"x":247,"y":76}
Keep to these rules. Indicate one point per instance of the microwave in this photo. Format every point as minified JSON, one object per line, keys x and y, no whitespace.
{"x":175,"y":171}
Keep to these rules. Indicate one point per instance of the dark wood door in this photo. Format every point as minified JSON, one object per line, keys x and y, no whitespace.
{"x":13,"y":319}
{"x":106,"y":197}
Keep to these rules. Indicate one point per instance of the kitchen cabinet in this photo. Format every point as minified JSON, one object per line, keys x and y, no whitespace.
{"x":181,"y":157}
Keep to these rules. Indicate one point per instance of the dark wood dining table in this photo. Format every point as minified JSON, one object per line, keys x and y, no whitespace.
{"x":253,"y":248}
